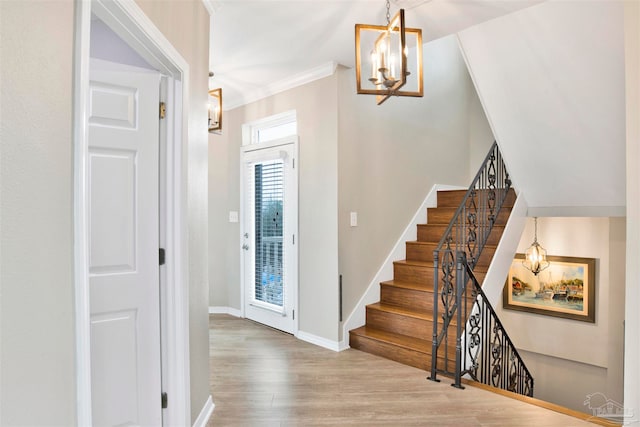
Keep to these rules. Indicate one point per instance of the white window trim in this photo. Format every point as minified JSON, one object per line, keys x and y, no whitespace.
{"x":251,"y":130}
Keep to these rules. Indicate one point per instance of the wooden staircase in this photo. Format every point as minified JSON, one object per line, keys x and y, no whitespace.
{"x":400,"y":326}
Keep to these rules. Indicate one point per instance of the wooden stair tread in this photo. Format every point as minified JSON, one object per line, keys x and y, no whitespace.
{"x":404,"y":341}
{"x":418,"y":242}
{"x":429,"y":264}
{"x":407,"y":285}
{"x":399,"y":326}
{"x":446,"y":225}
{"x":401,"y":311}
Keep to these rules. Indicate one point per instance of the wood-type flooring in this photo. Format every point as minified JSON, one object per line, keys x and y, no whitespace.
{"x":263,"y":377}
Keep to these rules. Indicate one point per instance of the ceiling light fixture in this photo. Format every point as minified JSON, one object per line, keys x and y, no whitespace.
{"x":215,"y":110}
{"x":535,"y":257}
{"x":395,"y":59}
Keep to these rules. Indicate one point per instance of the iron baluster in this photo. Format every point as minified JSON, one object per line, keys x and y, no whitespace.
{"x":483,"y":350}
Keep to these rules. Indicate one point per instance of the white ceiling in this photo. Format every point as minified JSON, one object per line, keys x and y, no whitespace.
{"x":261,"y":46}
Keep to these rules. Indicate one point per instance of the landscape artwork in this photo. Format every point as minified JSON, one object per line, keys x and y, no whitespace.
{"x":565,"y":289}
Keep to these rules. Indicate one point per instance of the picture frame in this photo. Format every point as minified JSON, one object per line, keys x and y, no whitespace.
{"x":565,"y":289}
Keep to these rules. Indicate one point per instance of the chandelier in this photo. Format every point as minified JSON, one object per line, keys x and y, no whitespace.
{"x":215,"y":110}
{"x":394,"y":55}
{"x":535,"y":257}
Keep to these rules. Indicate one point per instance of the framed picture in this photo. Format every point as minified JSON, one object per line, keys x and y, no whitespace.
{"x":565,"y":289}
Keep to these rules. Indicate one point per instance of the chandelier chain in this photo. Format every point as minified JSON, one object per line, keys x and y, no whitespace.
{"x":388,"y":13}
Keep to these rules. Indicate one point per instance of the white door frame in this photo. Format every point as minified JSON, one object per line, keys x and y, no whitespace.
{"x":127,"y":20}
{"x":290,"y":140}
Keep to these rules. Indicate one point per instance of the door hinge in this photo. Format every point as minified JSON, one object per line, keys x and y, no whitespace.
{"x":293,"y":315}
{"x":163,"y":110}
{"x":162,"y":256}
{"x":165,"y":400}
{"x":293,"y":239}
{"x":294,"y":163}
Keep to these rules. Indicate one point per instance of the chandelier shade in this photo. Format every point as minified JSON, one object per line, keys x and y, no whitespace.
{"x":389,"y":59}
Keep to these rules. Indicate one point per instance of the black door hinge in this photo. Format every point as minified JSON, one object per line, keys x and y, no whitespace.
{"x":165,"y":400}
{"x":162,"y":256}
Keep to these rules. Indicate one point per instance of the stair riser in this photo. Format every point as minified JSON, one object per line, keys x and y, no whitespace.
{"x":399,"y":324}
{"x":418,"y":274}
{"x":404,"y":325}
{"x":424,"y":253}
{"x":422,"y":275}
{"x":410,"y":299}
{"x":414,"y":358}
{"x":406,"y":298}
{"x":433,"y":233}
{"x":444,"y":215}
{"x":454,"y":198}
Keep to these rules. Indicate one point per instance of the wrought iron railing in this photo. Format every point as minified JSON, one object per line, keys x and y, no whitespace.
{"x":489,"y":357}
{"x":458,"y":251}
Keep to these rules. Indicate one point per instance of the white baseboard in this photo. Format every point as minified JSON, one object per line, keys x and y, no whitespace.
{"x":372,"y":294}
{"x":225,"y":310}
{"x":319,"y":341}
{"x":205,"y":413}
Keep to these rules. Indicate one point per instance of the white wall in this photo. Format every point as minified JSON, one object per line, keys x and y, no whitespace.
{"x":37,"y":325}
{"x":632,"y":314}
{"x":316,"y":109}
{"x":107,"y":45}
{"x":570,"y":359}
{"x":551,"y":79}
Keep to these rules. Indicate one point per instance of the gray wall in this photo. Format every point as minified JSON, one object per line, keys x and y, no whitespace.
{"x":379,"y":161}
{"x":186,"y":25}
{"x":570,"y":359}
{"x":391,"y":155}
{"x":36,"y":312}
{"x":37,"y":323}
{"x":316,"y":107}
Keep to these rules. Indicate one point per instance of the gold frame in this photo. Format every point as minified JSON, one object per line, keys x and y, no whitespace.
{"x":384,"y":94}
{"x":513,"y":300}
{"x":215,"y":95}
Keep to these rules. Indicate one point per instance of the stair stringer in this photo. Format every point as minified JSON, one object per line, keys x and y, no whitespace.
{"x":357,"y":317}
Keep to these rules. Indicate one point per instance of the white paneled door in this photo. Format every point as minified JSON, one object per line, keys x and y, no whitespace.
{"x":123,"y":189}
{"x":270,"y":218}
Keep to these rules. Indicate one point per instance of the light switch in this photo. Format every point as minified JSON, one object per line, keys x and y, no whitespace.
{"x":354,"y":219}
{"x":233,"y":216}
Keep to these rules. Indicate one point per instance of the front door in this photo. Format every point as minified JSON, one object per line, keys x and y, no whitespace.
{"x":269,"y":234}
{"x":123,"y":243}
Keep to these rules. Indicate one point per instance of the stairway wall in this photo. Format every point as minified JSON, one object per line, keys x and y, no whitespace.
{"x":570,"y":359}
{"x":390,"y":156}
{"x":551,"y":80}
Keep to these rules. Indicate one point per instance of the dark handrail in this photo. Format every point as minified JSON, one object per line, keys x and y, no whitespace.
{"x":467,"y":234}
{"x":490,"y":357}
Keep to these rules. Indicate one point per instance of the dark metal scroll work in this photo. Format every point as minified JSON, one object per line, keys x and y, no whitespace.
{"x":459,"y":250}
{"x":490,"y":356}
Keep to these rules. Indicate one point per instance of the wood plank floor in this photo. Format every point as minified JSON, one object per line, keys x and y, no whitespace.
{"x":262,"y":377}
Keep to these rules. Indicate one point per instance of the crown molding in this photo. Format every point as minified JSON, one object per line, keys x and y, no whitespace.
{"x":308,"y":76}
{"x":211,"y":6}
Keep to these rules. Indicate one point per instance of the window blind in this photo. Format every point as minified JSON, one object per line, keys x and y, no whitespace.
{"x":269,"y":219}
